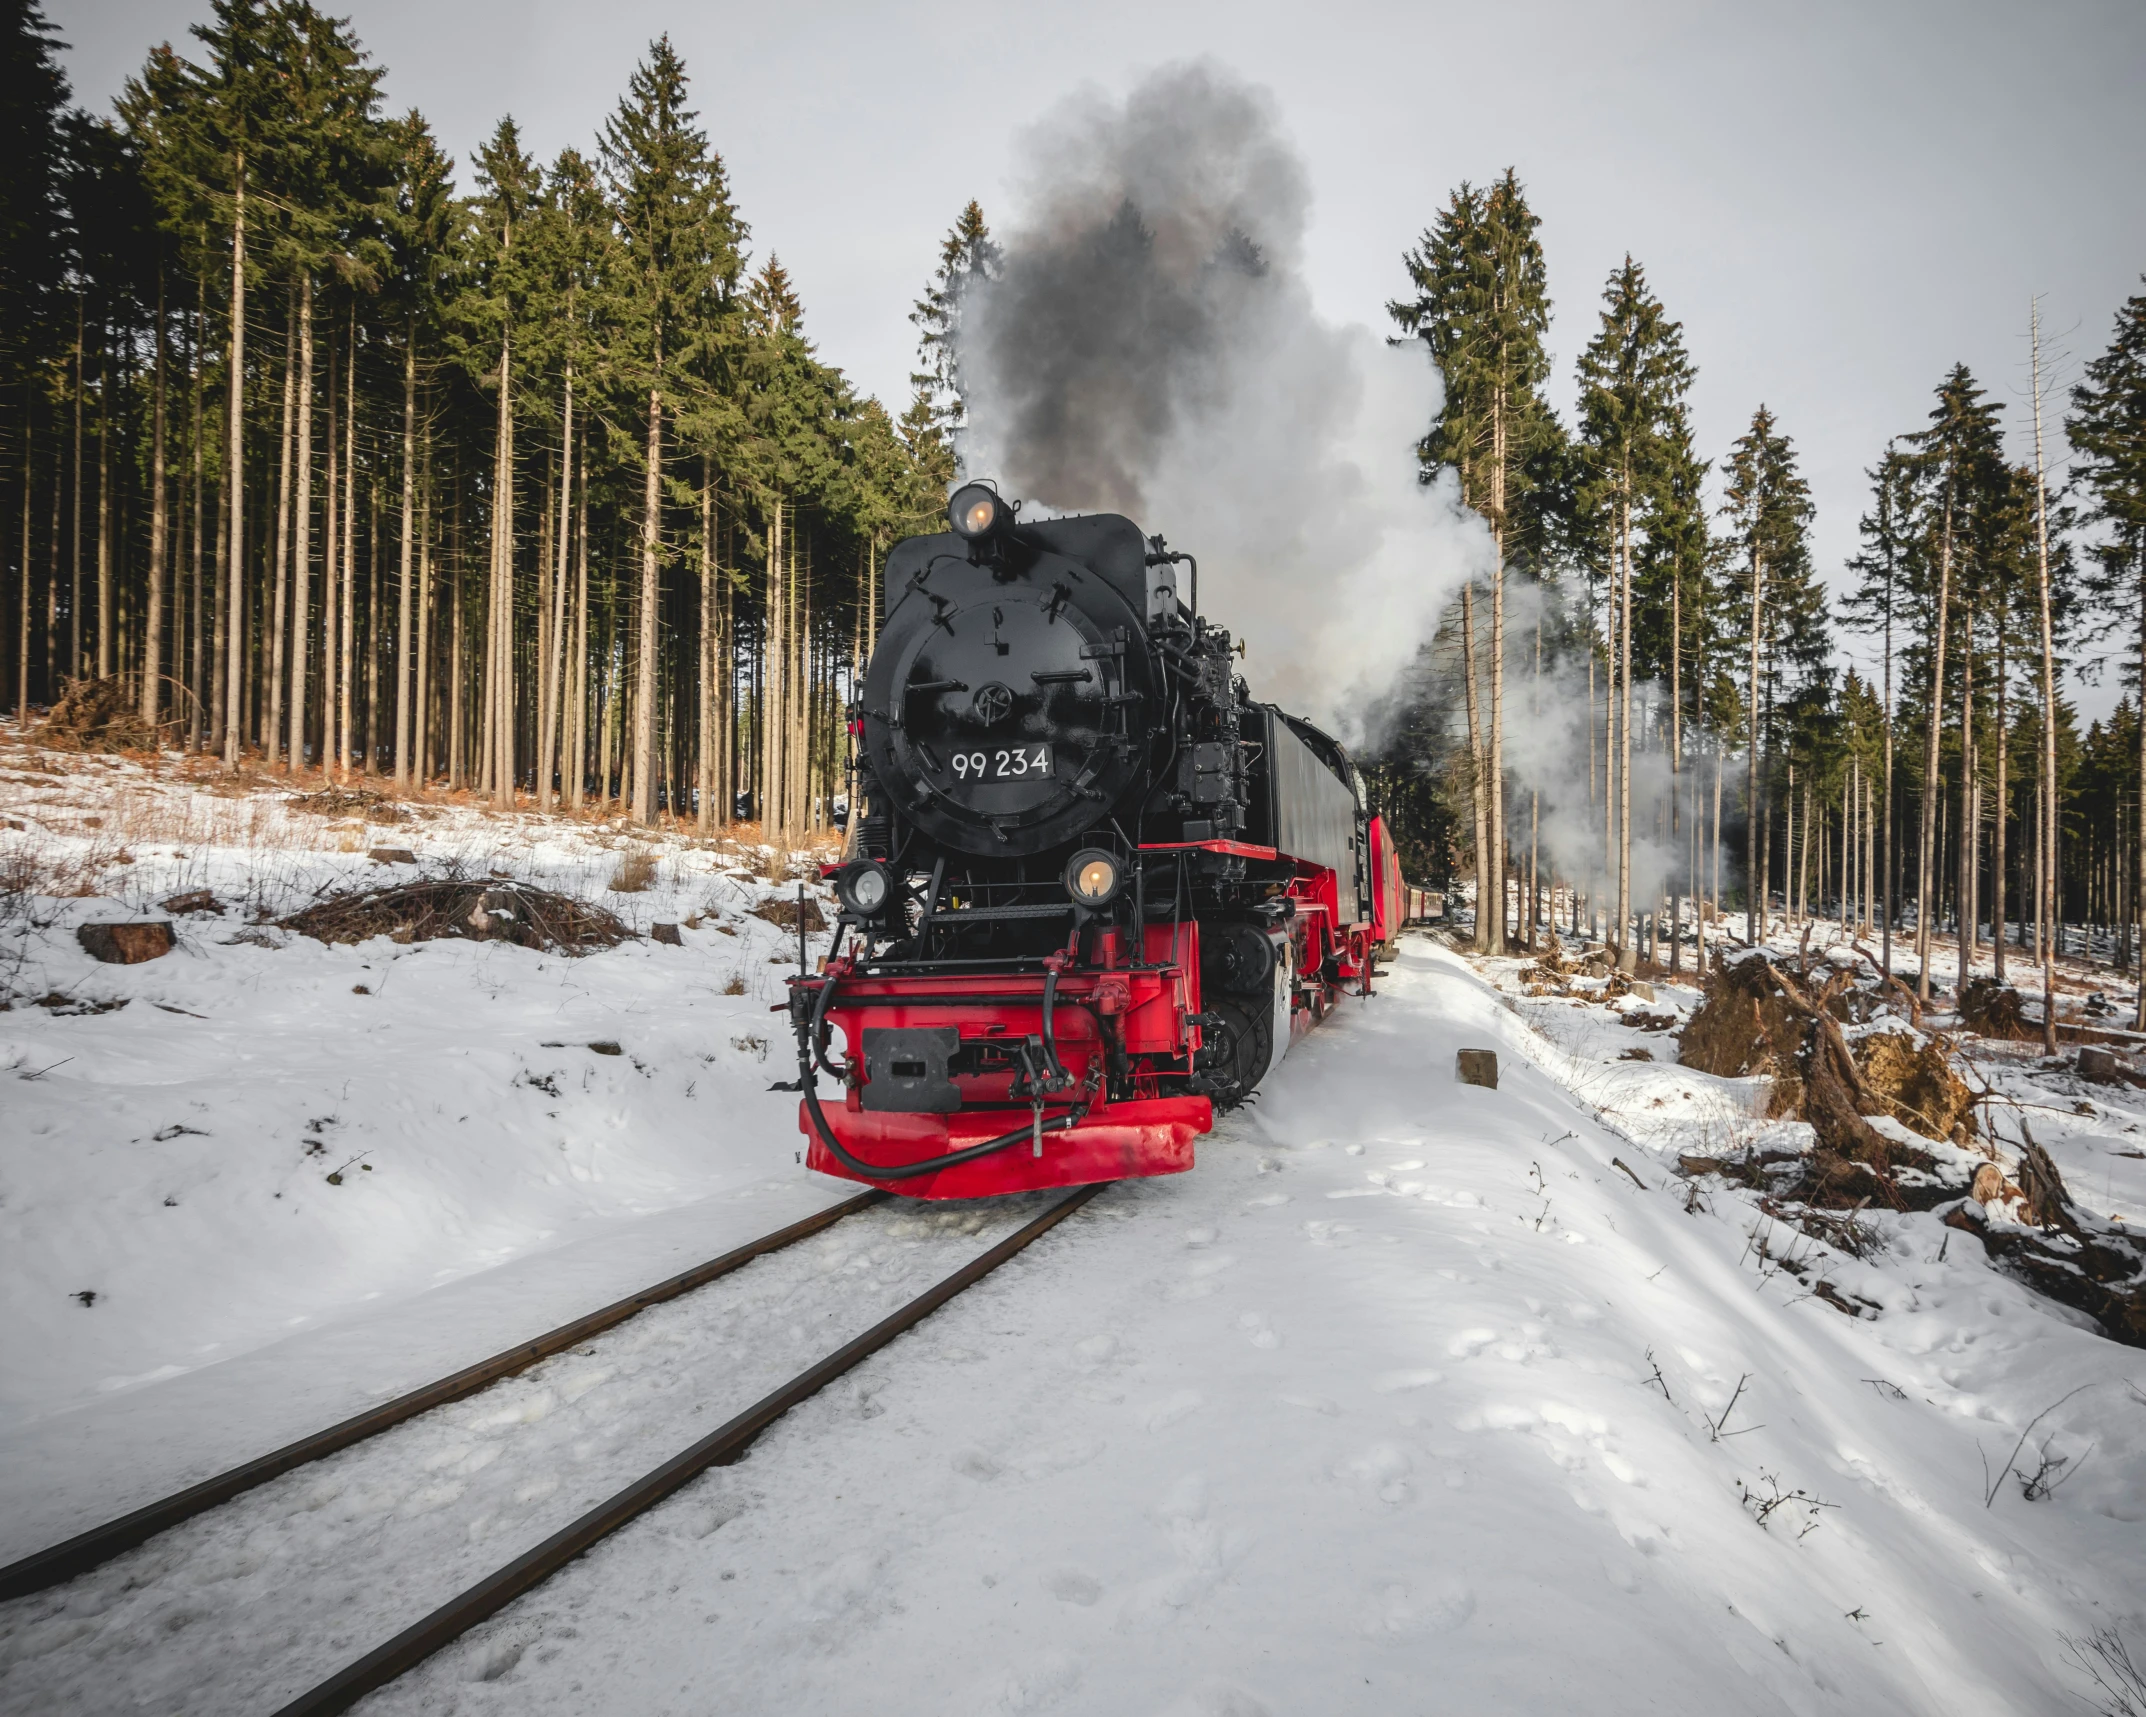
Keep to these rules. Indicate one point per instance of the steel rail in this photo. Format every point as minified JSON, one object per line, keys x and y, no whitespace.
{"x":100,"y":1544}
{"x":720,"y":1447}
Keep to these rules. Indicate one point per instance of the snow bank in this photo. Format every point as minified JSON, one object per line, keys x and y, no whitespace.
{"x":1408,"y":1397}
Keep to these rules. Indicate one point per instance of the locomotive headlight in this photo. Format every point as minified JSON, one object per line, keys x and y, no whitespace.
{"x":1092,"y":878}
{"x":975,"y":511}
{"x":862,"y":888}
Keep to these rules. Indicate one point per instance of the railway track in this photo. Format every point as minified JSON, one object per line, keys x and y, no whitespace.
{"x":91,"y":1549}
{"x":487,"y":1596}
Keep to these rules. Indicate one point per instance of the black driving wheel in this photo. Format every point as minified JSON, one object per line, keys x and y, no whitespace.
{"x":1235,"y":1053}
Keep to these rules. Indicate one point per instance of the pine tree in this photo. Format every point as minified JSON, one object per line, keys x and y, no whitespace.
{"x":33,"y":237}
{"x":1959,"y":468}
{"x":419,"y":230}
{"x":1769,"y":508}
{"x":967,"y":254}
{"x":1482,"y":307}
{"x":1634,"y":376}
{"x":1888,"y":569}
{"x":681,"y":240}
{"x":2107,"y":429}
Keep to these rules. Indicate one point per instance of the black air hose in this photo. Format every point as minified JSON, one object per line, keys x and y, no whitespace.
{"x":808,"y":1083}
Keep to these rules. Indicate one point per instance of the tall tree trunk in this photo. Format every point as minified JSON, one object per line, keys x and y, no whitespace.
{"x":499,"y":671}
{"x":704,"y":746}
{"x":235,"y":471}
{"x":1494,"y":750}
{"x":577,"y":745}
{"x":74,"y":597}
{"x":404,"y":595}
{"x":555,"y":652}
{"x":197,"y":632}
{"x":644,"y":710}
{"x":1755,"y":901}
{"x":771,"y":761}
{"x":1964,"y":871}
{"x":1926,"y":860}
{"x":1478,"y":786}
{"x":22,"y":631}
{"x":457,"y":716}
{"x":271,"y":739}
{"x":345,"y":684}
{"x":2000,"y":870}
{"x":2051,"y":899}
{"x":302,"y":523}
{"x":159,"y":539}
{"x":420,"y":773}
{"x":331,"y":571}
{"x":104,"y":507}
{"x":2138,"y":827}
{"x":1676,"y":762}
{"x":1627,"y":954}
{"x":372,"y":632}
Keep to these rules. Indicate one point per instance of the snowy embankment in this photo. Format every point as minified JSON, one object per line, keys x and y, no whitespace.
{"x":1406,"y":1398}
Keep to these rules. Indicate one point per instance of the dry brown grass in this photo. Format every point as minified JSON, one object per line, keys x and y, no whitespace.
{"x":635,"y":872}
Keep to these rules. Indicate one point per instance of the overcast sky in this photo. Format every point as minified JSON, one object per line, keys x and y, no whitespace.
{"x":1838,"y":202}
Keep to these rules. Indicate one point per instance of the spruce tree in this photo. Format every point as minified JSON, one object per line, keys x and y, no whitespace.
{"x":1634,"y":376}
{"x":2107,"y":429}
{"x":1768,"y":505}
{"x":681,"y":243}
{"x":1482,"y":307}
{"x":967,"y":255}
{"x":1958,"y":463}
{"x":419,"y":229}
{"x":1877,"y":606}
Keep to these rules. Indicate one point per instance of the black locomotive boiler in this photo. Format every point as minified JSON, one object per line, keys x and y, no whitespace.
{"x":1095,"y":889}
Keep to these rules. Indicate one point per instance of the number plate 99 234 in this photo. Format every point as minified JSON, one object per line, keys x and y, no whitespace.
{"x":1003,"y":763}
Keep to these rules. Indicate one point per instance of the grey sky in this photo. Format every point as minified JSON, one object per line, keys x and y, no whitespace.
{"x":1838,"y":202}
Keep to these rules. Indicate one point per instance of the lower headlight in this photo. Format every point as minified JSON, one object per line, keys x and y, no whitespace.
{"x":862,"y":888}
{"x":1092,"y":878}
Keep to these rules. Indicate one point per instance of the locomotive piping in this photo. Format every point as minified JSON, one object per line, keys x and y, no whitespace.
{"x":808,"y":1051}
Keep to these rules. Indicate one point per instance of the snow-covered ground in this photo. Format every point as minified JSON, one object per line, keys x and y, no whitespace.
{"x":1407,"y":1398}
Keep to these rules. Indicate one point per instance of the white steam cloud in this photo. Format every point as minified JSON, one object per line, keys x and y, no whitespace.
{"x":1150,"y":347}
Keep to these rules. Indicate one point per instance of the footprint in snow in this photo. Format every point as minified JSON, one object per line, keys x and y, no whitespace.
{"x":1470,"y":1342}
{"x":1041,"y":1684}
{"x":1404,"y":1610}
{"x":1257,"y":1330}
{"x":1072,"y":1587}
{"x":1158,"y":1415}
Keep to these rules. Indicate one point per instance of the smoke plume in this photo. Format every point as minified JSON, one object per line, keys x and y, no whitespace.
{"x":1150,"y":347}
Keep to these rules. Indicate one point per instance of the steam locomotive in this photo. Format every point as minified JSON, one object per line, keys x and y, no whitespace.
{"x":1095,"y":890}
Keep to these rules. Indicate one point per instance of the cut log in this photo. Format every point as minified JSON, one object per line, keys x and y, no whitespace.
{"x":126,"y":944}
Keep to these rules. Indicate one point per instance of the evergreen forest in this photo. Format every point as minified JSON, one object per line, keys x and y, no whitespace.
{"x":326,"y":454}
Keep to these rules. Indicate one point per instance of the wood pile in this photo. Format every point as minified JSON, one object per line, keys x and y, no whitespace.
{"x":486,"y":911}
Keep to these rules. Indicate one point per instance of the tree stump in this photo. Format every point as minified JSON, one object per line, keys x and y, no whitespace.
{"x":126,"y":944}
{"x":666,"y":933}
{"x":2100,"y":1064}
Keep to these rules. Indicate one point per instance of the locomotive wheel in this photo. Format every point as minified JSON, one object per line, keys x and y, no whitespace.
{"x":1235,"y":1053}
